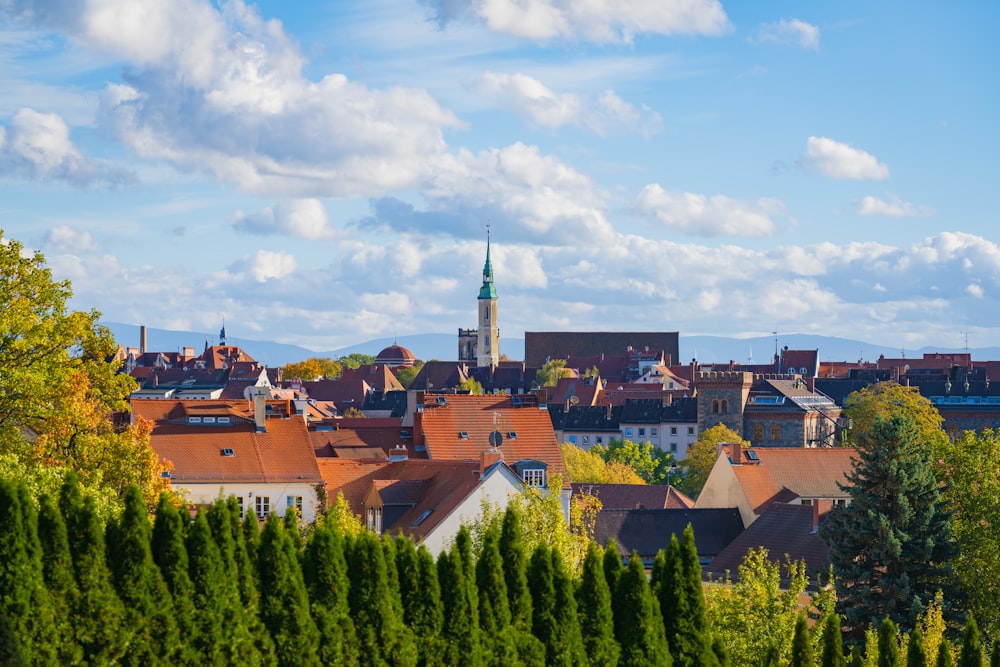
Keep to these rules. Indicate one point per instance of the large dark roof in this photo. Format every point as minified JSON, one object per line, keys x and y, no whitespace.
{"x":648,"y":531}
{"x":542,"y":345}
{"x":393,"y":401}
{"x":591,"y":418}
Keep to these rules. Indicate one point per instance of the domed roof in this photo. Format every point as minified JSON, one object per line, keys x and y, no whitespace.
{"x":395,"y":355}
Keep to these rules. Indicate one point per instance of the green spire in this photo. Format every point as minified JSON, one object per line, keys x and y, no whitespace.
{"x":488,"y":291}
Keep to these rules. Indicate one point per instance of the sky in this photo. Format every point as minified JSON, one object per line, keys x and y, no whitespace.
{"x":324,"y":173}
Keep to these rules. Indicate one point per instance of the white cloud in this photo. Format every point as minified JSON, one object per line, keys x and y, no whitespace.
{"x":893,"y":208}
{"x":790,"y":31}
{"x":697,"y":214}
{"x":529,"y":97}
{"x":597,"y":20}
{"x":37,"y":146}
{"x":65,"y":239}
{"x":837,"y":160}
{"x":263,"y":266}
{"x":975,"y":290}
{"x":301,"y":218}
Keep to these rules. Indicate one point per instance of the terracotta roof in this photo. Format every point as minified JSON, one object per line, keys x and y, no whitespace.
{"x":440,"y":375}
{"x":395,"y":355}
{"x":363,"y":433}
{"x":635,"y":496}
{"x":648,"y":531}
{"x":585,"y":390}
{"x":786,"y":531}
{"x":227,"y":452}
{"x":376,"y":376}
{"x":442,"y":486}
{"x":439,"y":428}
{"x":784,"y":473}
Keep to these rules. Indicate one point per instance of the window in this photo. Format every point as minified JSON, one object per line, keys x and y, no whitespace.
{"x":572,"y":439}
{"x":296,"y":502}
{"x":263,"y":507}
{"x":652,"y":432}
{"x":194,"y":420}
{"x":420,"y":519}
{"x":586,"y":439}
{"x":840,"y":502}
{"x":724,"y":406}
{"x":628,"y":433}
{"x":775,"y":433}
{"x":690,"y":430}
{"x":374,"y":519}
{"x":228,"y":451}
{"x":715,"y":406}
{"x":224,"y":420}
{"x":758,"y":432}
{"x":463,"y":435}
{"x":642,"y":432}
{"x":512,"y":435}
{"x":534,"y":477}
{"x":209,"y":420}
{"x":673,"y":430}
{"x":673,"y":446}
{"x":239,"y":501}
{"x":600,"y":439}
{"x":807,"y":501}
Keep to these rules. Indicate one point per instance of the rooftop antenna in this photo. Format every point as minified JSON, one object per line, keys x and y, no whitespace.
{"x":966,"y":334}
{"x":750,"y":358}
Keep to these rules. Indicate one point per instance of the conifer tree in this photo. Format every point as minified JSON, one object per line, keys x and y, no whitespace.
{"x":99,"y":615}
{"x":856,"y":659}
{"x":284,"y":604}
{"x":971,"y":654}
{"x":251,"y":535}
{"x":831,"y":642}
{"x":10,"y":647}
{"x":515,"y":562}
{"x":325,"y":572}
{"x":891,"y":547}
{"x":916,"y":655}
{"x":565,"y":613}
{"x":382,"y":637}
{"x":170,"y":555}
{"x":802,"y":653}
{"x":389,"y":553}
{"x":597,"y":624}
{"x":635,"y":622}
{"x":147,"y":601}
{"x":687,"y":632}
{"x":57,"y":572}
{"x":888,"y":644}
{"x":499,"y":645}
{"x":944,"y":658}
{"x":721,"y":654}
{"x":428,"y":613}
{"x":612,"y":564}
{"x":461,"y":624}
{"x":24,"y":600}
{"x":292,"y":530}
{"x":995,"y":655}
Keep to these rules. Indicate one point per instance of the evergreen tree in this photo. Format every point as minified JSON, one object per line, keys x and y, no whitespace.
{"x":916,"y":655}
{"x":389,"y":553}
{"x":831,"y":642}
{"x":690,"y":640}
{"x":612,"y":564}
{"x":891,"y":547}
{"x":99,"y":614}
{"x":24,"y":601}
{"x":721,"y":654}
{"x":428,"y":613}
{"x":995,"y":655}
{"x":284,"y":604}
{"x":515,"y":562}
{"x":802,"y":653}
{"x":292,"y":529}
{"x":944,"y":658}
{"x":888,"y":644}
{"x":325,"y":572}
{"x":494,"y":608}
{"x":565,"y":613}
{"x":382,"y":637}
{"x":170,"y":555}
{"x":635,"y":621}
{"x":57,"y":572}
{"x":597,"y":624}
{"x":148,"y":605}
{"x":856,"y":659}
{"x":461,"y":626}
{"x":971,"y":654}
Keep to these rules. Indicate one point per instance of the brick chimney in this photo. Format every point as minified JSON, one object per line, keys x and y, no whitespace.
{"x":815,"y":508}
{"x":398,"y":453}
{"x":260,"y":395}
{"x":488,"y":459}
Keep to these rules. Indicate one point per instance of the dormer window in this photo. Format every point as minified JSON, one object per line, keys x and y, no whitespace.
{"x":194,"y":420}
{"x":228,"y":452}
{"x":208,"y":420}
{"x":534,"y":477}
{"x":224,"y":420}
{"x":463,"y":435}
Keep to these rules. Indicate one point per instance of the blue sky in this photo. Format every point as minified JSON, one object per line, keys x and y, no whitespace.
{"x":323,"y":173}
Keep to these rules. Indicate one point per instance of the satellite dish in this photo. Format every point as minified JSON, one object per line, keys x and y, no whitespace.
{"x":496,"y":439}
{"x":573,"y":400}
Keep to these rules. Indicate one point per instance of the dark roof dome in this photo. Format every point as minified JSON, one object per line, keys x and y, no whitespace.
{"x":394,"y":356}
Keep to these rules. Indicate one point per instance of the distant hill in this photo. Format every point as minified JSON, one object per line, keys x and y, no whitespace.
{"x":444,"y":346}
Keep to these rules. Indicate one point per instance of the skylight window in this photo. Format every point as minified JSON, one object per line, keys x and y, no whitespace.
{"x":420,"y":519}
{"x":228,"y":451}
{"x":463,"y":435}
{"x":512,"y":435}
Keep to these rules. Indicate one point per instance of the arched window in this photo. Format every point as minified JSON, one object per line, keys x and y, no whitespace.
{"x":758,"y":432}
{"x":724,"y":406}
{"x":775,"y":433}
{"x":715,"y":406}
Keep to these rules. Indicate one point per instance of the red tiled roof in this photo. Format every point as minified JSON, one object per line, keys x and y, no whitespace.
{"x":384,"y":434}
{"x":195,"y":451}
{"x":635,"y":496}
{"x":784,"y":473}
{"x":376,"y":376}
{"x":439,"y":426}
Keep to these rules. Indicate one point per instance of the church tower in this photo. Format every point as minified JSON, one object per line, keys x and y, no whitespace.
{"x":488,"y":344}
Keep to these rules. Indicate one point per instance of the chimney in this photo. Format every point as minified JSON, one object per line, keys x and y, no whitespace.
{"x":488,"y":459}
{"x":815,"y":508}
{"x":142,"y":339}
{"x":734,"y":451}
{"x":398,"y":453}
{"x":187,"y":352}
{"x":260,"y":408}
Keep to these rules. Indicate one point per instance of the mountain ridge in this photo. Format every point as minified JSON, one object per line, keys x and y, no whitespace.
{"x":444,"y":346}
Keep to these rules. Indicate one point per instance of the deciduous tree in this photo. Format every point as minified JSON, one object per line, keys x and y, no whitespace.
{"x":702,"y":455}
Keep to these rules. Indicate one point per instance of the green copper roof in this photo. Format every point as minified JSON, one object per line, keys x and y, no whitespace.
{"x":488,"y":291}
